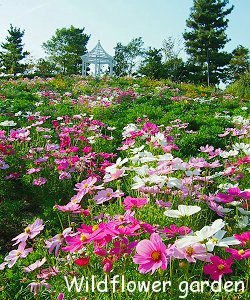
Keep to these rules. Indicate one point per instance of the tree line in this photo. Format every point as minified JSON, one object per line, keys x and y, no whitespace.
{"x":204,"y":42}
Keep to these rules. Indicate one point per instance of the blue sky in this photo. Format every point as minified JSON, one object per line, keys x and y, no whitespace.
{"x":112,"y":21}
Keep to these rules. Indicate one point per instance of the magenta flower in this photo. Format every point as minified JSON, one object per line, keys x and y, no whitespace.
{"x":130,"y":202}
{"x":244,"y":238}
{"x":29,"y":232}
{"x":151,"y":254}
{"x":174,"y":230}
{"x":13,"y":256}
{"x":218,"y":267}
{"x":239,"y":254}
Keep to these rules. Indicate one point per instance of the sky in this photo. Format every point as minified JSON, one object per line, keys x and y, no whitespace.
{"x":112,"y":21}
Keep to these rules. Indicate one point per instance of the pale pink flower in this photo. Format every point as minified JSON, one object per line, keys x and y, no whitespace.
{"x":13,"y":256}
{"x":37,"y":264}
{"x":29,"y":232}
{"x":105,"y":195}
{"x":191,"y":253}
{"x":39,"y":181}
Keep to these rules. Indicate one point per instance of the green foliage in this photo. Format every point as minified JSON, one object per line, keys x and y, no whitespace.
{"x":12,"y":53}
{"x":240,"y":87}
{"x":66,"y":47}
{"x":239,"y":63}
{"x":152,"y":66}
{"x":207,"y":36}
{"x":127,"y":57}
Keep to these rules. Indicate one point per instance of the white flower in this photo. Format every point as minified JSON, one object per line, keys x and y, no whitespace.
{"x":183,"y":211}
{"x":174,"y":182}
{"x":113,"y":168}
{"x":243,"y":221}
{"x":8,"y":123}
{"x":195,"y":172}
{"x":138,"y":182}
{"x":201,"y":235}
{"x":226,"y":154}
{"x":136,"y":150}
{"x":242,"y":146}
{"x":218,"y":240}
{"x":157,"y":179}
{"x":243,"y":211}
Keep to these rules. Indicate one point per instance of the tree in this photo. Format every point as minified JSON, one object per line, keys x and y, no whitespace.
{"x":128,"y":57}
{"x":65,"y":49}
{"x":45,"y":67}
{"x":12,"y":53}
{"x":239,"y":63}
{"x":207,"y":37}
{"x":152,"y":64}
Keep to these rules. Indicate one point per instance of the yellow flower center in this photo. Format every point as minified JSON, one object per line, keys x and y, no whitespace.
{"x":221,"y":267}
{"x":18,"y":253}
{"x":95,"y":227}
{"x":27,"y":230}
{"x":83,"y":238}
{"x":241,"y":252}
{"x":214,"y":240}
{"x":85,"y":185}
{"x":190,"y":251}
{"x":155,"y":255}
{"x":108,"y":194}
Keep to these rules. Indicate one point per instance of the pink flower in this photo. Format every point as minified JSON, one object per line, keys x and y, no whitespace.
{"x":239,"y":254}
{"x":218,"y":267}
{"x":35,"y":265}
{"x":56,"y":241}
{"x":244,"y":237}
{"x":37,"y":285}
{"x":130,"y":202}
{"x":162,"y":204}
{"x":151,"y":254}
{"x":174,"y":230}
{"x":29,"y":232}
{"x":60,"y":296}
{"x":86,"y":185}
{"x":190,"y":253}
{"x":13,"y":256}
{"x":122,"y":247}
{"x":105,"y":195}
{"x":39,"y":181}
{"x":47,"y":273}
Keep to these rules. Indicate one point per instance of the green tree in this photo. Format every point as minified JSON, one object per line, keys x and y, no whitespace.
{"x":13,"y":53}
{"x":65,"y":49}
{"x":45,"y":67}
{"x":152,"y":64}
{"x":128,"y":57}
{"x":239,"y":63}
{"x":206,"y":38}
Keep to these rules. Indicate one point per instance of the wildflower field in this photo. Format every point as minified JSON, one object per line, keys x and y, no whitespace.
{"x":132,"y":188}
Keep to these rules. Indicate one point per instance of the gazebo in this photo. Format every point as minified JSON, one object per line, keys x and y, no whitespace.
{"x":99,"y":57}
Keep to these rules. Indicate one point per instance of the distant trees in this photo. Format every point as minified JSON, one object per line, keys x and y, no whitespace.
{"x":12,"y":52}
{"x":239,"y":63}
{"x":65,"y":49}
{"x":127,"y":57}
{"x":206,"y":38}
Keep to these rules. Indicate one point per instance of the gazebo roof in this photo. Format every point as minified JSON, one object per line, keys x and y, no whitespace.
{"x":97,"y":54}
